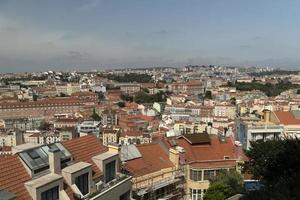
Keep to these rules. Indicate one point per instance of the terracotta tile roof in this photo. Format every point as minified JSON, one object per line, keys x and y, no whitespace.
{"x":287,"y":118}
{"x":207,"y":152}
{"x":153,"y":159}
{"x":13,"y":175}
{"x":84,"y":148}
{"x":133,"y":133}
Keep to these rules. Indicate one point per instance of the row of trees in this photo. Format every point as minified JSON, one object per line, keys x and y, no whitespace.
{"x":130,"y":77}
{"x":275,"y":72}
{"x":144,"y":97}
{"x":268,"y":88}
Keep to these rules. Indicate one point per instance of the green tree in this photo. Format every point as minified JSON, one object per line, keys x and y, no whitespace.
{"x":208,"y":95}
{"x":62,"y":94}
{"x":217,"y":191}
{"x":95,"y":116}
{"x":121,"y":104}
{"x":34,"y":97}
{"x":100,"y":96}
{"x":225,"y":185}
{"x":44,"y":126}
{"x":130,"y":77}
{"x":233,"y":100}
{"x":276,"y":164}
{"x":126,"y":97}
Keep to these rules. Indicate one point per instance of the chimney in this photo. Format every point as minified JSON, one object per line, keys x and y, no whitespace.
{"x":174,"y":156}
{"x":54,"y":161}
{"x":114,"y":148}
{"x":267,"y":116}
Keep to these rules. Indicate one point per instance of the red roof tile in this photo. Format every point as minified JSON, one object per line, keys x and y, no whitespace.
{"x":207,"y":152}
{"x":13,"y":175}
{"x":84,"y":148}
{"x":153,"y":159}
{"x":287,"y":118}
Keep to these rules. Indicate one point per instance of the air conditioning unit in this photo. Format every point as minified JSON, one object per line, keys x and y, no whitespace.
{"x":99,"y":185}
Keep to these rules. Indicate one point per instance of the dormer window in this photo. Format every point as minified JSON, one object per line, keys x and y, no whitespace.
{"x":82,"y":182}
{"x":110,"y":171}
{"x":51,"y":194}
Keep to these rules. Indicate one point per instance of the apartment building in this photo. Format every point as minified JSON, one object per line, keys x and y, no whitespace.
{"x":67,"y":89}
{"x":134,"y":137}
{"x":66,"y":122}
{"x":110,"y":135}
{"x":189,"y":127}
{"x":43,"y":108}
{"x":64,"y":171}
{"x":129,"y":88}
{"x":109,"y":117}
{"x":155,"y":172}
{"x":203,"y":156}
{"x":290,"y":120}
{"x":37,"y":137}
{"x":252,"y":128}
{"x":23,"y":124}
{"x":89,"y":127}
{"x":10,"y":138}
{"x":193,"y":86}
{"x":225,"y":111}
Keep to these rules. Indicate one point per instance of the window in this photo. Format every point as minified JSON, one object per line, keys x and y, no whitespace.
{"x":125,"y":196}
{"x":33,"y":154}
{"x":110,"y":171}
{"x":82,"y":182}
{"x":51,"y":194}
{"x":196,"y":175}
{"x":226,"y":157}
{"x":195,"y":194}
{"x":209,"y":174}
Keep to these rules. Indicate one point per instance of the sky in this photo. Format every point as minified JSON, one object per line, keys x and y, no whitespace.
{"x":37,"y":35}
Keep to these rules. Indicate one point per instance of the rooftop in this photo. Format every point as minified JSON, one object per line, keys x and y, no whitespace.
{"x":287,"y":118}
{"x":153,"y":159}
{"x":84,"y":148}
{"x":13,"y":175}
{"x":200,"y":138}
{"x":215,"y":150}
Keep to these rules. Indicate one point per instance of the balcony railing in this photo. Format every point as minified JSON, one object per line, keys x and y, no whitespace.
{"x":104,"y":187}
{"x":108,"y":186}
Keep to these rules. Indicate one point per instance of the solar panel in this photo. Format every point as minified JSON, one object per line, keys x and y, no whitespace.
{"x":129,"y":152}
{"x":37,"y":159}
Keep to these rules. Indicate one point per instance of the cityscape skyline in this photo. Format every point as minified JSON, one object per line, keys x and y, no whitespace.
{"x":67,"y":35}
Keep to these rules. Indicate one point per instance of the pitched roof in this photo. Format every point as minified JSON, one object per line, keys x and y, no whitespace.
{"x":153,"y":159}
{"x":84,"y":148}
{"x":287,"y":118}
{"x":13,"y":175}
{"x":133,"y":133}
{"x":216,"y":150}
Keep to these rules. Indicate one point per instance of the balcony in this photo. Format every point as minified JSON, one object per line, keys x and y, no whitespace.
{"x":103,"y":188}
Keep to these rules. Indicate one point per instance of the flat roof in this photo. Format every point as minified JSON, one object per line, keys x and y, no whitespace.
{"x":105,"y":155}
{"x":43,"y":180}
{"x":76,"y":167}
{"x":198,"y":138}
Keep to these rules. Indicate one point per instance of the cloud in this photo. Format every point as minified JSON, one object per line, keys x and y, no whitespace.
{"x":89,"y":5}
{"x":160,"y":32}
{"x":245,"y":46}
{"x":257,"y":37}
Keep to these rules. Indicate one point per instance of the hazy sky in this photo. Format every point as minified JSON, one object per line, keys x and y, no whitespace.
{"x":73,"y":34}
